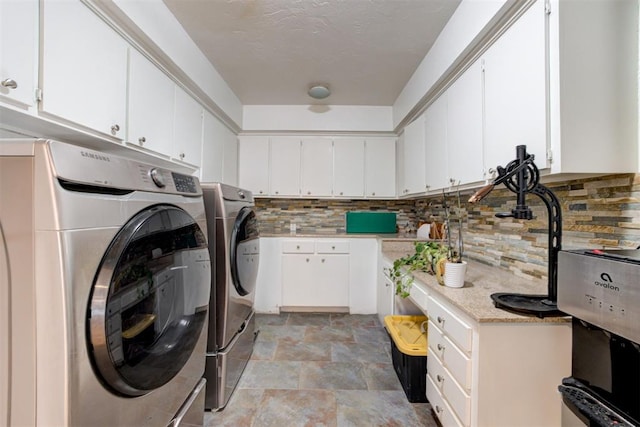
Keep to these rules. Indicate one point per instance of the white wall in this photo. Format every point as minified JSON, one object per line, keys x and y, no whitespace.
{"x":331,"y":118}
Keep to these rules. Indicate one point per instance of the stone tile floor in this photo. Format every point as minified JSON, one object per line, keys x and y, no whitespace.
{"x":312,"y":369}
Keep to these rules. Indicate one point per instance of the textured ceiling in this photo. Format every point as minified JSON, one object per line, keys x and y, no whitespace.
{"x":270,"y":51}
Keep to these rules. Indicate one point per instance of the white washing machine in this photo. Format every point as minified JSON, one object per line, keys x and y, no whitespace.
{"x":107,"y":279}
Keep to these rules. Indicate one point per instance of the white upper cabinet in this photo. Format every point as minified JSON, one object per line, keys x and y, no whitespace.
{"x":151,"y":101}
{"x":84,"y":68}
{"x":18,"y":51}
{"x":515,"y":92}
{"x":413,"y":154}
{"x":464,"y":127}
{"x":285,"y":166}
{"x":213,"y":135}
{"x":380,"y":168}
{"x":187,"y":131}
{"x":436,"y":163}
{"x":317,"y":167}
{"x":594,"y":86}
{"x":253,"y":168}
{"x":230,"y":166}
{"x":348,"y":167}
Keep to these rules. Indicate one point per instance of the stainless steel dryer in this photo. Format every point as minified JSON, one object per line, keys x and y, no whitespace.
{"x":233,"y":226}
{"x":108,"y":283}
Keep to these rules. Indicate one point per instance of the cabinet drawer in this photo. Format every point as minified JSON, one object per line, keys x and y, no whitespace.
{"x":452,"y":326}
{"x":332,"y":247}
{"x":458,"y":364}
{"x":442,"y":410}
{"x":419,"y":296}
{"x":450,"y":390}
{"x":298,"y":247}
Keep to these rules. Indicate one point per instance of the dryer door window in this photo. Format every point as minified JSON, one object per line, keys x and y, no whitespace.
{"x":245,"y":251}
{"x":149,"y":301}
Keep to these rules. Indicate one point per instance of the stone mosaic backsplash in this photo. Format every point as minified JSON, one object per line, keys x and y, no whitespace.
{"x":602,"y":212}
{"x":313,"y":216}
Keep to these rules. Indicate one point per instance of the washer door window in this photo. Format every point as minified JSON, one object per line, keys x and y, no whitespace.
{"x":149,"y":301}
{"x":245,"y":251}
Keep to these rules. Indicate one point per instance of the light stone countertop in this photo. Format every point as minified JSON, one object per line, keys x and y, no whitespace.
{"x":481,"y":281}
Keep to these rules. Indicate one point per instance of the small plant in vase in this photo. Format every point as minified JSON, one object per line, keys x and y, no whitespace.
{"x":454,"y":268}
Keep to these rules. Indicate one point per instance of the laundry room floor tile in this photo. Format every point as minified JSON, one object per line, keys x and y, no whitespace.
{"x":317,"y":369}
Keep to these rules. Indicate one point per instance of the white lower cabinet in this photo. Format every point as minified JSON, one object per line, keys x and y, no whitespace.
{"x":306,"y":273}
{"x":492,"y":374}
{"x":315,"y":274}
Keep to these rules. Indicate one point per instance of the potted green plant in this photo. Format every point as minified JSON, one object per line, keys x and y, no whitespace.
{"x":427,"y":257}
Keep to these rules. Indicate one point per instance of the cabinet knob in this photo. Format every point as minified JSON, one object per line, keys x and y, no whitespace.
{"x":115,"y":128}
{"x":439,"y":378}
{"x":277,"y":192}
{"x":333,"y":247}
{"x":307,"y":259}
{"x":341,"y":193}
{"x":440,"y":347}
{"x":298,"y":247}
{"x":322,"y":259}
{"x":308,"y":192}
{"x":260,"y":191}
{"x":438,"y":409}
{"x":440,"y":320}
{"x":181,"y":156}
{"x":9,"y":84}
{"x":373,"y":194}
{"x":142,"y":140}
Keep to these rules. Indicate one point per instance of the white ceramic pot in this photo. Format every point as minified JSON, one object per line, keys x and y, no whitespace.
{"x":454,"y":273}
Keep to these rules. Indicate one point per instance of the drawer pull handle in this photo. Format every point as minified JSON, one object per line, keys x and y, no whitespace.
{"x":440,"y":347}
{"x":440,"y":320}
{"x":9,"y":84}
{"x":439,"y":378}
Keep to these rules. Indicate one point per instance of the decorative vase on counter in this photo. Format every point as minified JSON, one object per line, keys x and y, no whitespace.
{"x":454,"y":273}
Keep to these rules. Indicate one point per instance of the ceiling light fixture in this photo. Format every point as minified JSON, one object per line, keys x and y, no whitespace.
{"x":319,"y":91}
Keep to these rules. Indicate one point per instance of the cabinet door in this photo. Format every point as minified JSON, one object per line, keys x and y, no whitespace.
{"x":230,"y":166}
{"x":515,"y":92}
{"x":151,"y":100}
{"x":380,"y":168}
{"x":187,"y":134}
{"x":18,"y":48}
{"x":435,"y":125}
{"x":464,"y":127}
{"x":285,"y":166}
{"x":400,"y":187}
{"x":297,"y":279}
{"x":84,"y":69}
{"x":213,"y":135}
{"x":330,"y":281}
{"x":315,"y":280}
{"x":253,"y":164}
{"x":414,"y":157}
{"x":348,"y":167}
{"x":317,"y":167}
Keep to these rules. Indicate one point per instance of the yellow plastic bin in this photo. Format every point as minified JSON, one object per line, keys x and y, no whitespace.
{"x":409,"y":353}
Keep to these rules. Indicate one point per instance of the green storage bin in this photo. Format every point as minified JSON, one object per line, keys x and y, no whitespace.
{"x":371,"y":222}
